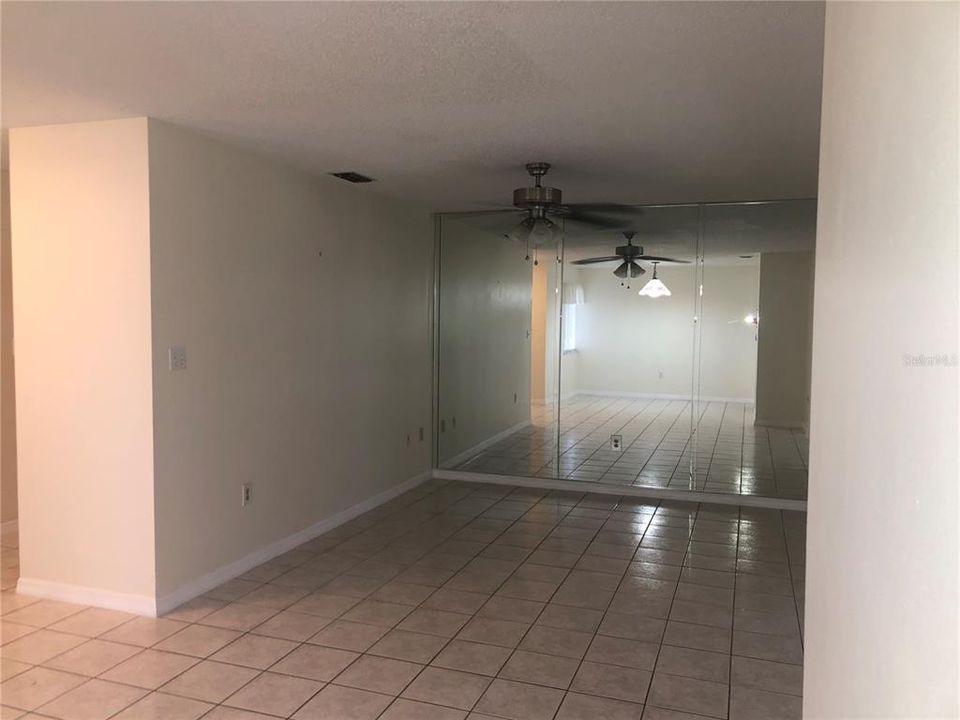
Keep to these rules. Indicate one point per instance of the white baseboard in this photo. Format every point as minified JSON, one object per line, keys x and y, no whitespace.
{"x":9,"y":526}
{"x":187,"y":592}
{"x":81,"y":595}
{"x":153,"y":606}
{"x":661,"y":396}
{"x":481,"y":446}
{"x":781,"y":424}
{"x":632,"y":491}
{"x":549,"y":402}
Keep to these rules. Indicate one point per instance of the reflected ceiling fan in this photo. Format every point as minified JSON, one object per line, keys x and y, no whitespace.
{"x":629,"y":256}
{"x":539,"y":206}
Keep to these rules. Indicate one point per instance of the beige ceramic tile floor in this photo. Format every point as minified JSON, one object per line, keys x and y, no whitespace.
{"x":452,"y":601}
{"x":727,"y":453}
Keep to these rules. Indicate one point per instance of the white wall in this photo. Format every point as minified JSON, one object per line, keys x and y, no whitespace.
{"x":625,"y":342}
{"x":484,"y":381}
{"x":81,"y":303}
{"x":882,"y":542}
{"x":549,"y":322}
{"x":8,"y":405}
{"x":784,"y":339}
{"x":306,"y":373}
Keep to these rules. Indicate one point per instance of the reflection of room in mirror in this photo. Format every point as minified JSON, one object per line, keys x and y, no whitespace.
{"x":730,"y":454}
{"x":704,"y":374}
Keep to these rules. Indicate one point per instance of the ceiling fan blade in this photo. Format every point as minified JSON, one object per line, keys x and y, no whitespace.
{"x":655,"y":258}
{"x":486,"y":203}
{"x":591,"y":220}
{"x":498,"y":210}
{"x":591,"y":261}
{"x":499,"y":222}
{"x":606,"y":207}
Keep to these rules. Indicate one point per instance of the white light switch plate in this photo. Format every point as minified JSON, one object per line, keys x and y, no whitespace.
{"x":178,"y":357}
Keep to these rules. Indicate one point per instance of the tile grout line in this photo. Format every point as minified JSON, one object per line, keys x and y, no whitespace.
{"x":244,"y":633}
{"x":474,"y":615}
{"x":592,"y":448}
{"x":491,"y":595}
{"x":569,"y":572}
{"x":433,"y":548}
{"x":793,"y":587}
{"x":673,"y":598}
{"x":637,"y":438}
{"x":606,"y":405}
{"x":632,"y":442}
{"x":583,"y":658}
{"x":367,"y":553}
{"x":733,"y":611}
{"x":545,"y":604}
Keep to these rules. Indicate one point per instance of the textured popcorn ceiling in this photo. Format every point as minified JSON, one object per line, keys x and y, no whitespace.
{"x":444,"y":102}
{"x":727,"y":232}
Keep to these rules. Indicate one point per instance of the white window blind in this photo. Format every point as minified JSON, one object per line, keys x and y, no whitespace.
{"x":569,"y":329}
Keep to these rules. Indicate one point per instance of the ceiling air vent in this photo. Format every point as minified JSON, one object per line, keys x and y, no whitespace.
{"x":353,"y":177}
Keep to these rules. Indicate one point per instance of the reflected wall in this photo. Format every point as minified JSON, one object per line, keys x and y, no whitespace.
{"x":496,"y":338}
{"x":551,"y":363}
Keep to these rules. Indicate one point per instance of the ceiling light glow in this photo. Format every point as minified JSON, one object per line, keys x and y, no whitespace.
{"x":654,"y":287}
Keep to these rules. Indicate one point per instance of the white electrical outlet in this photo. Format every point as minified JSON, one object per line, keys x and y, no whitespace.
{"x":616,"y":442}
{"x":178,"y":358}
{"x":246,"y":494}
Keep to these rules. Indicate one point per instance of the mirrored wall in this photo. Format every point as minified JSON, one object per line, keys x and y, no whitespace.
{"x":666,"y":347}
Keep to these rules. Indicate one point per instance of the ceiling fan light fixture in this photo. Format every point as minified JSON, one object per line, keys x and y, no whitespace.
{"x":633,"y":268}
{"x":521,"y":233}
{"x":543,"y":231}
{"x":538,"y":231}
{"x":654,"y":287}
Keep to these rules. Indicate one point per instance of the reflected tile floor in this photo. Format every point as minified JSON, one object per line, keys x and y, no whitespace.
{"x":452,"y":601}
{"x":728,"y":453}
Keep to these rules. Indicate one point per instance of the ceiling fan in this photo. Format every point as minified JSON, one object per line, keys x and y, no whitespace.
{"x":628,"y":255}
{"x":538,"y":206}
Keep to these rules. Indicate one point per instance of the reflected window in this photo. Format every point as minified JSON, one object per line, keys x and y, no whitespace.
{"x":569,"y":328}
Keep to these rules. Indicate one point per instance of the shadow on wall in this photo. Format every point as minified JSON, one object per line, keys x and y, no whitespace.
{"x":785,"y":339}
{"x":8,"y":421}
